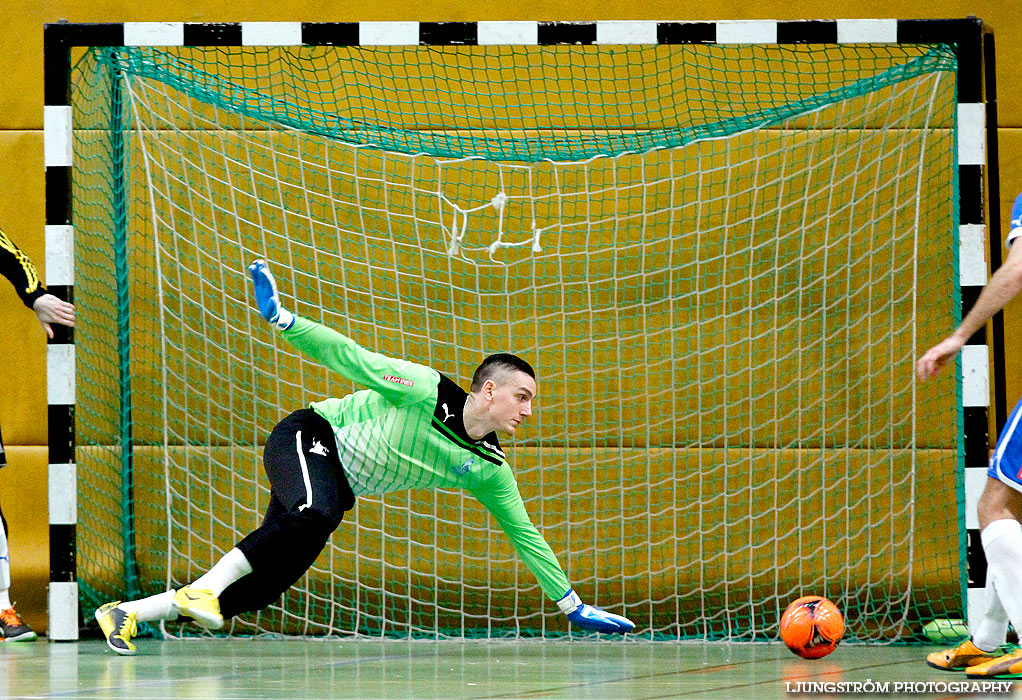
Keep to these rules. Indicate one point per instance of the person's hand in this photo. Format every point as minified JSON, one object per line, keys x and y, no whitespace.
{"x":937,"y":356}
{"x":50,"y":309}
{"x":267,"y":298}
{"x":591,"y":618}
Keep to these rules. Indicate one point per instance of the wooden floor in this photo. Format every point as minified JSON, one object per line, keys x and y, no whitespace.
{"x":451,"y":670}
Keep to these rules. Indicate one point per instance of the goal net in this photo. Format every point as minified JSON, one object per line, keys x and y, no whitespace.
{"x":721,"y":260}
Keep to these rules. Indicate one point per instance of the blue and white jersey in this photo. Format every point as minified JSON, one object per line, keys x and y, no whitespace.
{"x":1015,"y":229}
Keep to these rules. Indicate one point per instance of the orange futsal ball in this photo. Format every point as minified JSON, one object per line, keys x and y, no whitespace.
{"x":812,"y":626}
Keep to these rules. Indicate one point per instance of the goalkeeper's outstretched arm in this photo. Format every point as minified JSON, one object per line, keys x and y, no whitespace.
{"x":504,"y":501}
{"x":397,"y":380}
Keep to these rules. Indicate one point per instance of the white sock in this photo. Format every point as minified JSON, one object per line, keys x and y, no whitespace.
{"x":992,"y":629}
{"x":229,"y":569}
{"x":5,"y":564}
{"x":5,"y":599}
{"x":156,"y":607}
{"x":1002,"y":545}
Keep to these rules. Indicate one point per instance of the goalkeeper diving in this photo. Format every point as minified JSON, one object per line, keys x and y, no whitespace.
{"x":411,"y":427}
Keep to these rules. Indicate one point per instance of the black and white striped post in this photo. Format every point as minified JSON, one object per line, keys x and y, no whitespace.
{"x":60,"y":352}
{"x":976,"y":178}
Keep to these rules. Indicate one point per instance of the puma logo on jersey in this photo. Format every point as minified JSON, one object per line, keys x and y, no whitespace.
{"x":447,"y":414}
{"x":317,"y":448}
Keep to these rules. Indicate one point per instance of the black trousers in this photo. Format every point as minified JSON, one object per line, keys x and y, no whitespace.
{"x":308,"y":498}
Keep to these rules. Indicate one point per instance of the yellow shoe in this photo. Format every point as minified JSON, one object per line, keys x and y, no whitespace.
{"x":200,"y":605}
{"x":1007,"y":666}
{"x":118,"y":627}
{"x":963,"y":656}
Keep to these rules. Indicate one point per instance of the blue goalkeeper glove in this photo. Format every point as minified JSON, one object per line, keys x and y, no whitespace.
{"x":267,"y":298}
{"x":592,"y":619}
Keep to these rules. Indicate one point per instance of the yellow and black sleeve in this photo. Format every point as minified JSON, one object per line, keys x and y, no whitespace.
{"x":16,"y":267}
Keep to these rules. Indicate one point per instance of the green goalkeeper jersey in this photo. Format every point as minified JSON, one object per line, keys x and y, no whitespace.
{"x":405,"y":431}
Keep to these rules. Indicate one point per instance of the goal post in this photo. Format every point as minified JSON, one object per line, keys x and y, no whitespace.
{"x":721,"y":244}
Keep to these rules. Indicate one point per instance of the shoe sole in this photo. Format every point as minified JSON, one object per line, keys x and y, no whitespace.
{"x":954,"y":669}
{"x":23,"y":637}
{"x":116,"y":650}
{"x":122,"y":652}
{"x":202,"y":617}
{"x":995,"y":677}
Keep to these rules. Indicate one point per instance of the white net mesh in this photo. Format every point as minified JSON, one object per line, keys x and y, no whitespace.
{"x":723,"y":332}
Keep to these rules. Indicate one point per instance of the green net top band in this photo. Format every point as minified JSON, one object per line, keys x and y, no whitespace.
{"x":495,"y":102}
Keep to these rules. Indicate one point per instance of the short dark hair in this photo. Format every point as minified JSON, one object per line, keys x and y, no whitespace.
{"x":497,"y":363}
